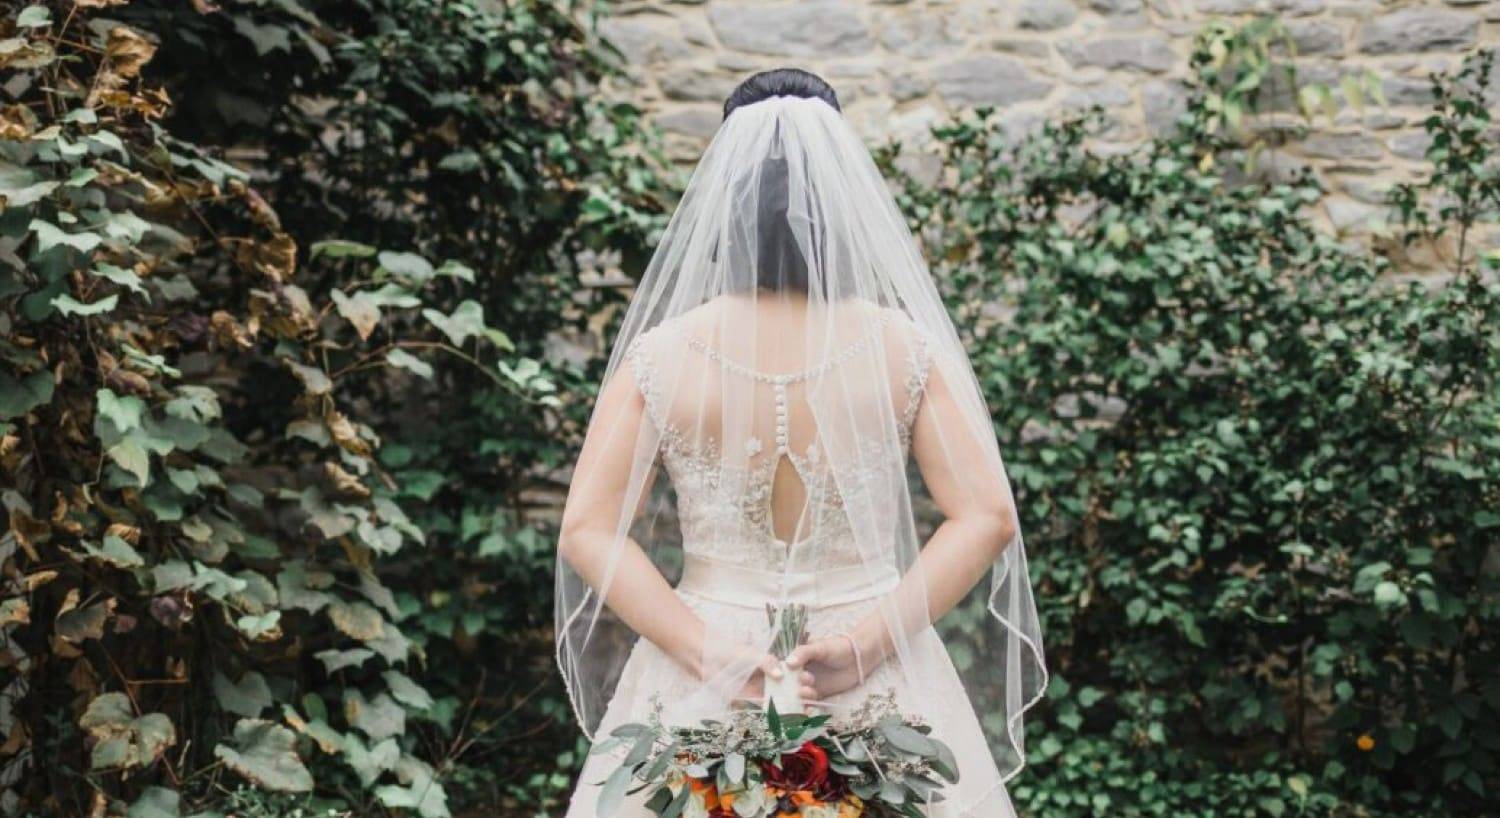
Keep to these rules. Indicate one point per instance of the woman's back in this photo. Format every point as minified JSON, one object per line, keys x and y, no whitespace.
{"x":747,"y":410}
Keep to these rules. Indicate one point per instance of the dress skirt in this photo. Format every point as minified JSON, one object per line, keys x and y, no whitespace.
{"x":939,"y":698}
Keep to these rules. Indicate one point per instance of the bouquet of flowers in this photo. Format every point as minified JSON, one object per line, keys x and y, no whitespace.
{"x":758,"y":763}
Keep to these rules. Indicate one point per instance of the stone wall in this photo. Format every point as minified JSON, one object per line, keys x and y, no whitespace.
{"x":901,"y":65}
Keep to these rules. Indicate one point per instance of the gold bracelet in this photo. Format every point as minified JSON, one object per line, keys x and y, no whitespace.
{"x":859,"y":665}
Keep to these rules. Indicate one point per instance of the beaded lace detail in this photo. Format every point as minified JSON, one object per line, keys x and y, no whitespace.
{"x":724,"y":503}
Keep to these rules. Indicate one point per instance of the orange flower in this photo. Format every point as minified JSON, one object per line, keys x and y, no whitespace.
{"x":710,"y":793}
{"x":804,"y":798}
{"x":1365,"y":743}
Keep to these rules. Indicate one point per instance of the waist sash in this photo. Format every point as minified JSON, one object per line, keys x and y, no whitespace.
{"x":749,"y":587}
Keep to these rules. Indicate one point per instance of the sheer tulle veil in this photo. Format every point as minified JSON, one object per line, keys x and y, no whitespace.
{"x":788,"y":356}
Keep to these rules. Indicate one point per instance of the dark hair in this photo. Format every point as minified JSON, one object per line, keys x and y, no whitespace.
{"x":780,"y":82}
{"x":781,"y":265}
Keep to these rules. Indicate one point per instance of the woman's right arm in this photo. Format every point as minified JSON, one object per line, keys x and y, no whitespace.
{"x":594,"y":514}
{"x":591,"y":536}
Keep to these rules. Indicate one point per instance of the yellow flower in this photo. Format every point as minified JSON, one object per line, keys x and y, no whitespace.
{"x":1365,"y":743}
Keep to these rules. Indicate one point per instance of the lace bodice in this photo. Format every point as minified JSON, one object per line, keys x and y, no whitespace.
{"x":725,"y":496}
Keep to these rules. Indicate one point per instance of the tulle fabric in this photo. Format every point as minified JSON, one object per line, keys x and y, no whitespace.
{"x":797,"y":418}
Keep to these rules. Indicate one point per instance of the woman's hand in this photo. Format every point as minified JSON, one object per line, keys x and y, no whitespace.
{"x":770,"y":668}
{"x":718,"y":659}
{"x":830,"y":663}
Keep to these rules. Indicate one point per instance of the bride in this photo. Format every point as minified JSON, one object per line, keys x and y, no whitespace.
{"x":789,"y":417}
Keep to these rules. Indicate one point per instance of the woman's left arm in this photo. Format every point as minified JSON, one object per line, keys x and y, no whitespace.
{"x":968,"y":484}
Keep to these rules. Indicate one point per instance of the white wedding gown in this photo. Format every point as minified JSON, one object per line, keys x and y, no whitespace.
{"x":727,"y":580}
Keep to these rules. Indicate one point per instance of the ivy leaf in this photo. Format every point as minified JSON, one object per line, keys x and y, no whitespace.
{"x":360,"y":309}
{"x":467,"y":320}
{"x":378,"y":718}
{"x":264,"y":752}
{"x":409,"y":265}
{"x":356,"y":619}
{"x":34,"y":17}
{"x":456,"y":269}
{"x":262,"y":628}
{"x":156,"y":802}
{"x":462,"y":161}
{"x":313,"y":379}
{"x":115,"y":551}
{"x":1388,"y":595}
{"x":407,"y":691}
{"x":124,"y":413}
{"x":121,"y":276}
{"x":123,"y":740}
{"x":336,"y":660}
{"x":248,"y":697}
{"x":129,"y":455}
{"x":27,"y":195}
{"x":17,"y":397}
{"x":68,"y":305}
{"x":49,"y":235}
{"x":369,"y":763}
{"x":338,"y":248}
{"x":420,"y":790}
{"x":405,"y":360}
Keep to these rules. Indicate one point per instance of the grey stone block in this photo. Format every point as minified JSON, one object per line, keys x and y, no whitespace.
{"x":699,"y":122}
{"x":1145,"y":52}
{"x":987,"y":80}
{"x":796,"y":30}
{"x":1023,"y":46}
{"x":1297,"y":8}
{"x":918,"y":35}
{"x":1410,"y":145}
{"x":1343,"y":146}
{"x":695,"y":84}
{"x":1346,"y":214}
{"x":1226,"y":6}
{"x":1419,"y":29}
{"x":1116,"y":6}
{"x":1045,"y":15}
{"x":645,"y":40}
{"x":1162,"y":101}
{"x":1316,"y":36}
{"x":905,"y":85}
{"x":1407,"y":91}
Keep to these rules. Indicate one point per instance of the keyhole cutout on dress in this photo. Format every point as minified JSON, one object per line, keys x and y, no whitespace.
{"x":788,"y":496}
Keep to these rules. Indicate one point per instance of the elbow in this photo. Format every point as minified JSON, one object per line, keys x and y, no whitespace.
{"x":996,"y":528}
{"x":572,"y":542}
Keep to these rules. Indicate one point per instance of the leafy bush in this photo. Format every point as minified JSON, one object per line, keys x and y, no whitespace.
{"x":468,"y":131}
{"x":1258,"y":473}
{"x":210,"y":433}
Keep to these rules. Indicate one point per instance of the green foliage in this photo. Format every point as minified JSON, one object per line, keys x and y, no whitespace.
{"x":474,"y":132}
{"x":212,"y":386}
{"x":279,"y":435}
{"x":1255,"y":471}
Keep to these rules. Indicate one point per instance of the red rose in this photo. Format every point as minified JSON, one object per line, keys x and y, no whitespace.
{"x":806,"y":769}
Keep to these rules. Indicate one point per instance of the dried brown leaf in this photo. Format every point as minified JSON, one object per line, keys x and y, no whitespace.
{"x":128,"y":533}
{"x":127,"y":51}
{"x":275,"y":258}
{"x":343,"y":483}
{"x":345,"y":434}
{"x":230,"y":333}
